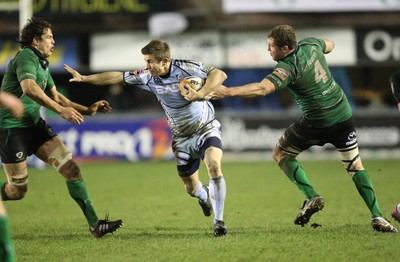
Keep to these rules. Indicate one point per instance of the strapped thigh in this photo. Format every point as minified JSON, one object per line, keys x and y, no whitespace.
{"x":287,"y":148}
{"x":59,"y":157}
{"x":349,"y":156}
{"x":17,"y":177}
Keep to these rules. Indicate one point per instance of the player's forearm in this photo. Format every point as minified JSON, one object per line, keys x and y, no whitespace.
{"x":42,"y":99}
{"x":214,"y":80}
{"x":106,"y":78}
{"x":247,"y":91}
{"x":62,"y":100}
{"x":84,"y":110}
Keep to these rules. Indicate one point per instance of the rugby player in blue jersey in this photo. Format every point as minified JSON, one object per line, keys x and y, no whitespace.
{"x":196,"y":133}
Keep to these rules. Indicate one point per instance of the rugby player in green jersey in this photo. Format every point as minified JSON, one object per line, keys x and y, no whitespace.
{"x":327,"y":117}
{"x":395,"y":85}
{"x":28,"y":77}
{"x":7,"y":253}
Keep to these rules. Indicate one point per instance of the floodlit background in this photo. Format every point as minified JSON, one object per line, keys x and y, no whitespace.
{"x":160,"y":222}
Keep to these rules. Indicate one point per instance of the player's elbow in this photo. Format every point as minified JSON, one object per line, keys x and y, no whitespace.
{"x":264,"y":91}
{"x":219,"y":74}
{"x":329,"y":46}
{"x":28,"y":87}
{"x":223,"y":76}
{"x":266,"y":88}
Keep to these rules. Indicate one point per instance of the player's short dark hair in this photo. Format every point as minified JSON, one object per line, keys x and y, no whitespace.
{"x":283,"y":35}
{"x":160,"y":49}
{"x":34,"y":28}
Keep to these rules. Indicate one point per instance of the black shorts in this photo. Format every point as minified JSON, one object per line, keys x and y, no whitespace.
{"x":16,"y":144}
{"x":302,"y":135}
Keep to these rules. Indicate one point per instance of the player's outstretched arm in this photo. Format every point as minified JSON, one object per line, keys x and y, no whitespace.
{"x":214,"y":79}
{"x":105,"y":78}
{"x":262,"y":88}
{"x":101,"y":106}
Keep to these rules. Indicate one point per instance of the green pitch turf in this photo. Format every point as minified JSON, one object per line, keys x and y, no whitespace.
{"x":162,"y":223}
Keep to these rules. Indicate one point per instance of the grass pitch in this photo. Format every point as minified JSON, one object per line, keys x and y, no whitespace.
{"x":162,"y":223}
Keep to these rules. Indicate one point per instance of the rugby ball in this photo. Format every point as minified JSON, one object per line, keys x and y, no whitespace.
{"x":195,"y":82}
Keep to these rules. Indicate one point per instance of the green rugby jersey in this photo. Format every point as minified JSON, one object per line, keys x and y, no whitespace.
{"x":306,"y":75}
{"x":25,"y":64}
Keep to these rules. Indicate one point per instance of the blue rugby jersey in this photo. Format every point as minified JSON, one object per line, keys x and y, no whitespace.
{"x":184,"y":117}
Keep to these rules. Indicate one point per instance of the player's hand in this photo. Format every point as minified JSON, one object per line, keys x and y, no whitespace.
{"x":189,"y":93}
{"x":76,"y":76}
{"x":101,"y":106}
{"x":71,"y":115}
{"x":13,"y":104}
{"x":219,"y":93}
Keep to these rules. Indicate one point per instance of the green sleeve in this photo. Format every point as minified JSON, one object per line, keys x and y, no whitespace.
{"x":26,"y":66}
{"x":281,"y":76}
{"x":313,"y":40}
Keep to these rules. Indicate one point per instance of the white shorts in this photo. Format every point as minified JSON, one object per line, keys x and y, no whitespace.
{"x":189,"y":150}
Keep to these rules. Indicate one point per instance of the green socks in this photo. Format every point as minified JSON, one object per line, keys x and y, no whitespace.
{"x":77,"y":190}
{"x":364,"y":187}
{"x":296,"y":174}
{"x":7,"y":253}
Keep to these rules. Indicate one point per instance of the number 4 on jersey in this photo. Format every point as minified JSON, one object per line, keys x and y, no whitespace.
{"x":320,"y":73}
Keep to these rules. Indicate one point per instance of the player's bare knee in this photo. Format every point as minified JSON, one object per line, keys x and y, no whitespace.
{"x":20,"y":192}
{"x":214,"y":169}
{"x":276,"y":155}
{"x":75,"y":170}
{"x":191,"y":192}
{"x":16,"y":192}
{"x":189,"y":185}
{"x":71,"y":171}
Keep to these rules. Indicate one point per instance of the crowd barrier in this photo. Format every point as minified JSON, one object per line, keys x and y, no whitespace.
{"x":245,"y":136}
